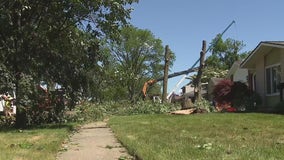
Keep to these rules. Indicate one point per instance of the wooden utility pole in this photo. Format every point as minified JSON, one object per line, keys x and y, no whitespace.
{"x":166,"y":72}
{"x":198,"y":87}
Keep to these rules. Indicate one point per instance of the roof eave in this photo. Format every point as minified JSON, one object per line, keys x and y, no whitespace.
{"x":245,"y":61}
{"x":276,"y":44}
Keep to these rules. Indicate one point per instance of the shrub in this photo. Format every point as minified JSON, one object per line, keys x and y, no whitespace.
{"x":248,"y":101}
{"x":244,"y":98}
{"x":7,"y":121}
{"x":279,"y":108}
{"x":235,"y":94}
{"x":222,"y":92}
{"x":206,"y":105}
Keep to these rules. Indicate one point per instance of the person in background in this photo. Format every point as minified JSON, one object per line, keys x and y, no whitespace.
{"x":2,"y":103}
{"x":8,"y":104}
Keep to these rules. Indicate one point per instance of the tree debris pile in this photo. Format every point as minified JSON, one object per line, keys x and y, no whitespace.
{"x":189,"y":111}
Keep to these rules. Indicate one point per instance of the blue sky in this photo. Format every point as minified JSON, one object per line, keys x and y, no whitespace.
{"x":183,"y":24}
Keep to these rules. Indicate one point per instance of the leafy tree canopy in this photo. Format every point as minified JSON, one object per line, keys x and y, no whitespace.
{"x":224,"y":54}
{"x":138,"y":57}
{"x":56,"y":41}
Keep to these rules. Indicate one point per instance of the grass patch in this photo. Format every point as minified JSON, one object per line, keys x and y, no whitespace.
{"x":202,"y":136}
{"x":33,"y":144}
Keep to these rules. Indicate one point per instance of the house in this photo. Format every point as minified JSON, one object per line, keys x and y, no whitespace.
{"x":188,"y":90}
{"x":237,"y":74}
{"x":265,"y":66}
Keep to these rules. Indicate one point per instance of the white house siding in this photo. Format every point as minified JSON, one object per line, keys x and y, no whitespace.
{"x":282,"y":65}
{"x":240,"y":75}
{"x":188,"y":89}
{"x":260,"y":76}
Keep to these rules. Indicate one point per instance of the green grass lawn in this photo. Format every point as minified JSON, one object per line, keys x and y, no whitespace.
{"x":202,"y":136}
{"x":32,"y":144}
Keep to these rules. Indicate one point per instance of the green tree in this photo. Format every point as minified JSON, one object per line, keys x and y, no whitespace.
{"x":224,"y":53}
{"x":49,"y":41}
{"x":138,"y":58}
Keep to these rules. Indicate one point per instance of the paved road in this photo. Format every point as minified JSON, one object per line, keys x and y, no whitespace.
{"x":94,"y":141}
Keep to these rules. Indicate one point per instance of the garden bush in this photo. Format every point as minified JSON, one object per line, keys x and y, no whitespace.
{"x":279,"y":108}
{"x":235,"y":94}
{"x":206,"y":105}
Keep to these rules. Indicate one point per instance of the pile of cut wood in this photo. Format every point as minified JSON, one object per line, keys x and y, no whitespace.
{"x":189,"y":111}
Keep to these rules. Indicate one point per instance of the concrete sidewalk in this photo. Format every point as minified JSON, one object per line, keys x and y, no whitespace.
{"x":94,"y":141}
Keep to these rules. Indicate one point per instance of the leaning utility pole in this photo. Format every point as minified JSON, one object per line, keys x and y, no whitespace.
{"x":166,"y":72}
{"x":197,"y":84}
{"x":209,"y":48}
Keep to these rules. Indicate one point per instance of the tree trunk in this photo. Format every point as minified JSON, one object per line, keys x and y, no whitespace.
{"x":21,"y":116}
{"x":197,"y":87}
{"x":166,"y":72}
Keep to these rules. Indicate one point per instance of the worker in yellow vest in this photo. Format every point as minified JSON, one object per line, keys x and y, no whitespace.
{"x":8,"y":104}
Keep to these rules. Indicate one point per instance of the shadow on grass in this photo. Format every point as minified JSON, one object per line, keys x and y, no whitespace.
{"x":68,"y":126}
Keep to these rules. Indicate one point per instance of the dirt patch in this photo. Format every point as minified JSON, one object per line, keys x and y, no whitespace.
{"x":36,"y":138}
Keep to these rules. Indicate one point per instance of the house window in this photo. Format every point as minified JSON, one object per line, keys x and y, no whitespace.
{"x":272,"y":79}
